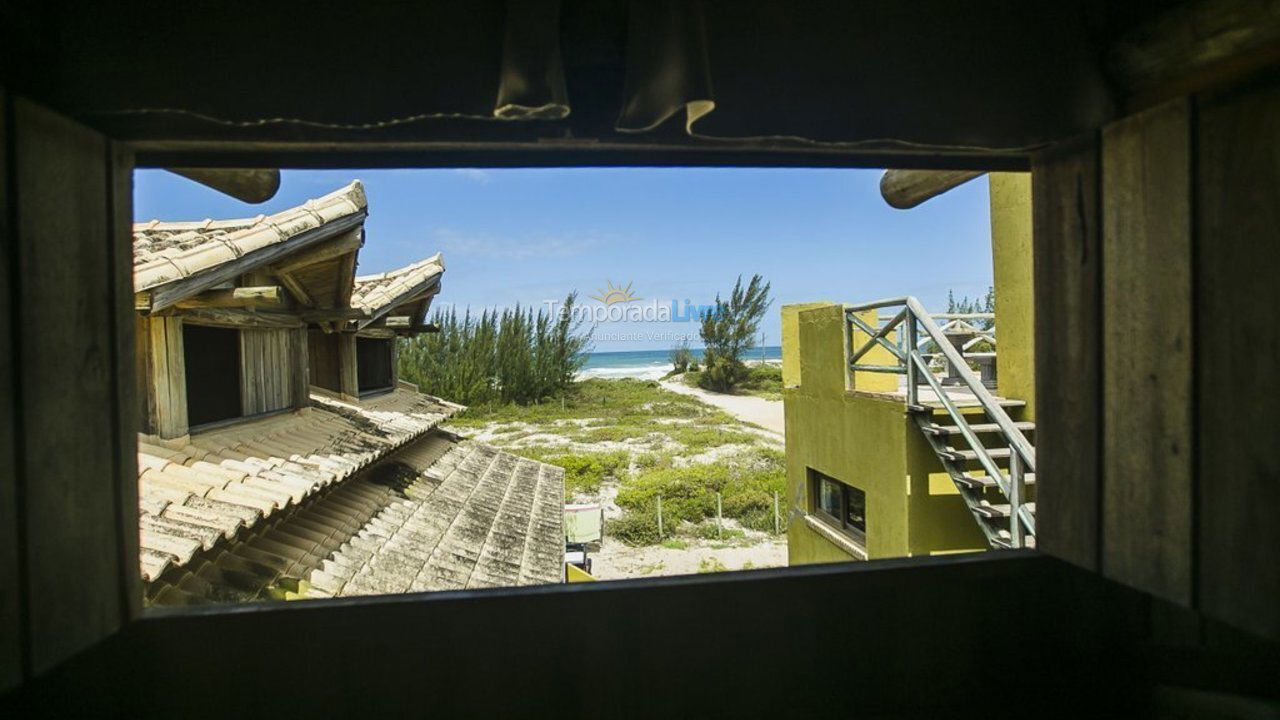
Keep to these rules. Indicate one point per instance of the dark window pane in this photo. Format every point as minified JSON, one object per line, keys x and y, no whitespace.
{"x":212,"y":357}
{"x":373,"y":363}
{"x":856,"y":509}
{"x":829,"y":497}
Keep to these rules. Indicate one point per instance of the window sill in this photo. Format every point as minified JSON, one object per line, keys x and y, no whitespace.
{"x":839,"y":539}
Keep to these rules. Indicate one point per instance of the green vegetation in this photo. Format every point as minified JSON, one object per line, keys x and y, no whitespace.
{"x":583,"y":472}
{"x":681,"y":357}
{"x":761,"y":380}
{"x":605,"y":402}
{"x":710,"y":565}
{"x":728,"y":330}
{"x":511,"y":356}
{"x":746,"y":482}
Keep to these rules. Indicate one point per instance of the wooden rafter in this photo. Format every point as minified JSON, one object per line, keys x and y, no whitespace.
{"x":345,"y":244}
{"x":241,"y":297}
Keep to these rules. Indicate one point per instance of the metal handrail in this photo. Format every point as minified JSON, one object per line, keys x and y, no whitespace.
{"x":918,"y":322}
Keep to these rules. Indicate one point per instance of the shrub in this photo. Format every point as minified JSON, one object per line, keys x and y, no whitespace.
{"x":585,"y":472}
{"x":681,"y":357}
{"x":634,"y":528}
{"x":509,"y":356}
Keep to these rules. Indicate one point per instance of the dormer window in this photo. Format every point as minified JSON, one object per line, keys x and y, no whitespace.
{"x":374,"y":363}
{"x":213,"y":375}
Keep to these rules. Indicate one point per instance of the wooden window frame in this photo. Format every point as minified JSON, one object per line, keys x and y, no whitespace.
{"x":839,"y":524}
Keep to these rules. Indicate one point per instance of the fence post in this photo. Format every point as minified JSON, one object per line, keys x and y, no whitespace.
{"x":776,"y":524}
{"x":659,"y":517}
{"x":719,"y":521}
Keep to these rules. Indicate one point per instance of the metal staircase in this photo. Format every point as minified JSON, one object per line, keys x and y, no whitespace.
{"x":982,"y":448}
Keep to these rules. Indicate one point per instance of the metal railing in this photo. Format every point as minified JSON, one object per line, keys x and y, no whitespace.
{"x":917,"y":327}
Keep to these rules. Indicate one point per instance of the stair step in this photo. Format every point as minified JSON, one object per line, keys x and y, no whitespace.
{"x":1004,"y":540}
{"x":1000,"y":510}
{"x":958,"y":455}
{"x":985,"y":481}
{"x":966,"y":406}
{"x":936,"y":429}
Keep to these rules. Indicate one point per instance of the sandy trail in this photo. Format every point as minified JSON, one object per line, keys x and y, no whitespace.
{"x":748,"y":408}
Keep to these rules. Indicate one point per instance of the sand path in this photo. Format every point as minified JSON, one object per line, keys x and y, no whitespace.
{"x":748,"y":408}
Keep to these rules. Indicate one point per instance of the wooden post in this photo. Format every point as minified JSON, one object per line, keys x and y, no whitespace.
{"x":719,"y":519}
{"x":659,"y":517}
{"x":348,"y":383}
{"x":167,"y":381}
{"x":777,"y":525}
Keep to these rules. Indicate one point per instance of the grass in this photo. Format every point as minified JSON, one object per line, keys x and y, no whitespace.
{"x":661,"y":430}
{"x":764,"y":381}
{"x":746,"y":482}
{"x":620,"y":402}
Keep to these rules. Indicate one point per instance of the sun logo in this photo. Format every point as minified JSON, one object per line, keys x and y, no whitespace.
{"x":612,"y":294}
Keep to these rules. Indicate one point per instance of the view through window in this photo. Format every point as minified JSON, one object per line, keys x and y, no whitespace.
{"x":387,"y":381}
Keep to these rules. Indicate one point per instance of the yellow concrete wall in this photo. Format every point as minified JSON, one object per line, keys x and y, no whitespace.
{"x":868,"y":442}
{"x":878,"y":355}
{"x":1011,"y":247}
{"x":791,"y":342}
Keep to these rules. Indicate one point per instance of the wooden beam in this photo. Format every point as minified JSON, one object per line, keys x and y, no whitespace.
{"x":167,"y":295}
{"x":1195,"y":46}
{"x":241,"y":297}
{"x":237,"y":318}
{"x":346,"y":278}
{"x":344,"y":245}
{"x":905,"y":189}
{"x":300,"y":293}
{"x":251,"y":185}
{"x":348,"y":380}
{"x":331,"y":314}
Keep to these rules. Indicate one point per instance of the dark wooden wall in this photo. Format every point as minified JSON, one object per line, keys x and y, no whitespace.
{"x":1157,"y":281}
{"x":68,"y":567}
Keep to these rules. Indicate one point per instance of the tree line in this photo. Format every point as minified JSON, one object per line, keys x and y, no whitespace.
{"x":513,"y":355}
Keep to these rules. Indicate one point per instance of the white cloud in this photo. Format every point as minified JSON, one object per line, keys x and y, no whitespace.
{"x":513,"y":247}
{"x":475,"y":175}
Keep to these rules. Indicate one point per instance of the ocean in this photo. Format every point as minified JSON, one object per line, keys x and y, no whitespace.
{"x":653,"y":364}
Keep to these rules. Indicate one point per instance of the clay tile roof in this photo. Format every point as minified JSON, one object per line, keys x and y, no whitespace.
{"x":199,"y":490}
{"x":439,"y":514}
{"x":378,"y":294}
{"x":167,"y":251}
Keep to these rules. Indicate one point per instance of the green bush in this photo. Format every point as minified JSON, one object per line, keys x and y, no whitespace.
{"x":584,"y":472}
{"x":634,"y":528}
{"x":746,"y":482}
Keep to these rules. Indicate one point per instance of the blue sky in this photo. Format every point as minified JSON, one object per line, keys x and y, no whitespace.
{"x":530,"y":235}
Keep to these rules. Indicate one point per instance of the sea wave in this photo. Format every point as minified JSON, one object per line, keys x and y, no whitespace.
{"x":642,"y":372}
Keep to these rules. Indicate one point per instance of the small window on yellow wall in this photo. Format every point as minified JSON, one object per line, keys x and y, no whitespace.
{"x":838,"y":504}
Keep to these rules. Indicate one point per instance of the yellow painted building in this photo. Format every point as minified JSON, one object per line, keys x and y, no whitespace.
{"x":862,"y":480}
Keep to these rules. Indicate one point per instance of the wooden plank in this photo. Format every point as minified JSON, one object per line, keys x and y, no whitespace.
{"x":127,"y":388}
{"x":1146,"y":287}
{"x":267,"y":370}
{"x":13,"y":635}
{"x":240,"y":297}
{"x":1237,"y":256}
{"x":168,"y":380}
{"x":67,"y":377}
{"x":299,"y":293}
{"x":1065,"y":188}
{"x":232,"y":317}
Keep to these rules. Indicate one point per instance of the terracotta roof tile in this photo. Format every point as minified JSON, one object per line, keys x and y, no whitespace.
{"x":167,"y":251}
{"x":221,"y":482}
{"x":438,"y":513}
{"x":380,"y":293}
